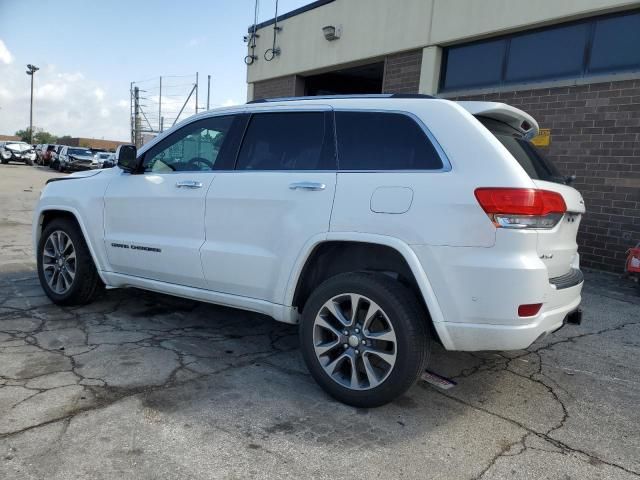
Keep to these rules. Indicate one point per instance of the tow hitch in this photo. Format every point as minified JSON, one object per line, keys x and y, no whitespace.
{"x":575,"y":317}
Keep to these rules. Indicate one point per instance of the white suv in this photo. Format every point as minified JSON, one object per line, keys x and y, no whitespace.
{"x":378,"y":223}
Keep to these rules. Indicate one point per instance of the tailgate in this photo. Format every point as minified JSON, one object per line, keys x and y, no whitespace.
{"x":557,"y":247}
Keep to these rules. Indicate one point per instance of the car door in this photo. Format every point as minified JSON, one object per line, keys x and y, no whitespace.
{"x":154,"y":220}
{"x":260,"y":217}
{"x":62,"y":157}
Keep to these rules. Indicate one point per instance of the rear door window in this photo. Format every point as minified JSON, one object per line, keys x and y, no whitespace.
{"x":530,"y":159}
{"x":383,"y":141}
{"x":288,"y":141}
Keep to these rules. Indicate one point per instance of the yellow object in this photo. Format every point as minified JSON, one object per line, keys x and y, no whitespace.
{"x":543,"y":138}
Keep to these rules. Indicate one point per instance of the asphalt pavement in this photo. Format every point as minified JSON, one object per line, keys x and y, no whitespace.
{"x":147,"y":386}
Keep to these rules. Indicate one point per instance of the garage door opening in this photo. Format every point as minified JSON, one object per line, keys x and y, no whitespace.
{"x":364,"y":79}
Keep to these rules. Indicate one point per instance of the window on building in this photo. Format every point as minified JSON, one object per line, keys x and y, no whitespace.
{"x":285,"y":141}
{"x":383,"y":141}
{"x":553,"y":53}
{"x":599,"y":45}
{"x":616,"y":44}
{"x":475,"y":65}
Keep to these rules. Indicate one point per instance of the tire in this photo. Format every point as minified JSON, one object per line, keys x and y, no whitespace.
{"x":85,"y":285}
{"x":401,"y":314}
{"x":60,"y":167}
{"x":4,"y":162}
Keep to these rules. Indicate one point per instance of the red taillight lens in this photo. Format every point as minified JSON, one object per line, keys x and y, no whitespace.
{"x":529,"y":310}
{"x":520,"y":201}
{"x":521,"y":207}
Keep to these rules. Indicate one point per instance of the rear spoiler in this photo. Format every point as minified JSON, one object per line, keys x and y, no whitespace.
{"x":516,"y":118}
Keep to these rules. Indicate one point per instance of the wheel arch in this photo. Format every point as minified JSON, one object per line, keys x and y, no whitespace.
{"x":391,"y":250}
{"x":49,"y":213}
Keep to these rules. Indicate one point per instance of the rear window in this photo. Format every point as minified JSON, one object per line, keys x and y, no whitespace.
{"x":383,"y":141}
{"x":528,"y":156}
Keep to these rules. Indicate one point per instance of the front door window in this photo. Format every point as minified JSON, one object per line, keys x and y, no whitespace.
{"x":194,"y":148}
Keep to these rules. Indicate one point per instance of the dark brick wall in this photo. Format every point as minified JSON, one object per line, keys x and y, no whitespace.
{"x":275,"y":87}
{"x":402,"y":72}
{"x":595,"y":133}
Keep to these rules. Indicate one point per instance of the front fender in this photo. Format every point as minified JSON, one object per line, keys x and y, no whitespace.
{"x":84,"y":199}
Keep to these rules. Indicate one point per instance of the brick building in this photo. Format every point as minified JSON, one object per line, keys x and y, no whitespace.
{"x":5,"y":138}
{"x":574,"y":65}
{"x":94,"y":143}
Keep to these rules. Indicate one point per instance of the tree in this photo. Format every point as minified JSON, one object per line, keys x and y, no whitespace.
{"x":25,"y":135}
{"x":39,"y":136}
{"x":42,"y":136}
{"x":64,"y":140}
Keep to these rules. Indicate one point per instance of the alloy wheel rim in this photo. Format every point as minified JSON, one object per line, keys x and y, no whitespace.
{"x":59,"y":262}
{"x":354,"y":341}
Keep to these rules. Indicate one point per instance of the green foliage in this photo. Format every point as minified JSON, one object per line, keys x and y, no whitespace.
{"x":64,"y":140}
{"x":39,"y":136}
{"x":42,"y":136}
{"x":25,"y":135}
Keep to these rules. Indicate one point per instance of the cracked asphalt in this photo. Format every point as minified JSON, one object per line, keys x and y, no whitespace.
{"x":147,"y":386}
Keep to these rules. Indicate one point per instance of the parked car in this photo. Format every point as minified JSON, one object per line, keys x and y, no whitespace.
{"x":46,"y":154}
{"x":16,"y":151}
{"x":55,"y":155}
{"x":74,"y":159}
{"x":377,"y":223}
{"x":103,"y":160}
{"x":37,"y":148}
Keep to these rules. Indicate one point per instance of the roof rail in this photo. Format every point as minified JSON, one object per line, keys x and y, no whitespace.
{"x":334,"y":97}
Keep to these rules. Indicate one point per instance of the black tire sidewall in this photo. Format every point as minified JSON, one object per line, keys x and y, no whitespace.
{"x":84,"y":262}
{"x":409,"y":323}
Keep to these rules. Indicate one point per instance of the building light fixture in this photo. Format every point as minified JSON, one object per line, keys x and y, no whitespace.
{"x":332,"y":32}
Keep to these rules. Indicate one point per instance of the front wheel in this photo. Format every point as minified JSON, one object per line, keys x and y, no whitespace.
{"x":364,"y":338}
{"x":65,"y":268}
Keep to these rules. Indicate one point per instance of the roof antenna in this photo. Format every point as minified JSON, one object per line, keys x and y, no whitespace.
{"x":274,"y":51}
{"x":251,"y":38}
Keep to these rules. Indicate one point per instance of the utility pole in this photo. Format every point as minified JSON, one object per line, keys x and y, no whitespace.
{"x":196,"y":92}
{"x":133,"y":140}
{"x":31,"y":70}
{"x":160,"y":108}
{"x":208,"y":90}
{"x":136,"y":118}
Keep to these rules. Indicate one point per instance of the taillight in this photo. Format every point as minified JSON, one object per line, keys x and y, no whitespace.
{"x":521,"y":207}
{"x":529,"y":310}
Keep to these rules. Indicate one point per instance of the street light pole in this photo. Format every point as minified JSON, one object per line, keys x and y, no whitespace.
{"x":31,"y":70}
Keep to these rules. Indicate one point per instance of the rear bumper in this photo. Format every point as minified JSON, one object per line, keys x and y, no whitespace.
{"x":473,"y":337}
{"x":478,"y":291}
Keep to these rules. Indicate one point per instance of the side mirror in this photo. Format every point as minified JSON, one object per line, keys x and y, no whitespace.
{"x":126,"y":157}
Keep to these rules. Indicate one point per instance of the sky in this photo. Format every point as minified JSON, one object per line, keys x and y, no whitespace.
{"x":90,"y":51}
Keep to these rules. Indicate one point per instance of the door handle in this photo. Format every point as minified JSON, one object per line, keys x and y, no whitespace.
{"x":309,"y":186}
{"x":188,"y":184}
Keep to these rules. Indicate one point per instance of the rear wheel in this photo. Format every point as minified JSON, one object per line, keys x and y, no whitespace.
{"x":65,"y":267}
{"x":364,"y":338}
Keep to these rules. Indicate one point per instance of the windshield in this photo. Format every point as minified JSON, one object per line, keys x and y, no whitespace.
{"x":528,"y":156}
{"x":78,"y":151}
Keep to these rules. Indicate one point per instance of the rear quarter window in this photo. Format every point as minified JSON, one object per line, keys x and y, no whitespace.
{"x":383,"y":141}
{"x":526,"y":154}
